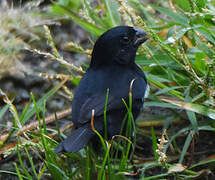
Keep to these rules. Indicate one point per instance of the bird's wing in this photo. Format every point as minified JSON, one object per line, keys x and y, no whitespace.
{"x":97,"y":102}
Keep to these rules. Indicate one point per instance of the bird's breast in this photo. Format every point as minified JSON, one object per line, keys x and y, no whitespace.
{"x":117,"y":80}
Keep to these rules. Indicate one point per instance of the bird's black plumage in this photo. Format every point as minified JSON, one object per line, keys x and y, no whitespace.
{"x":112,"y":67}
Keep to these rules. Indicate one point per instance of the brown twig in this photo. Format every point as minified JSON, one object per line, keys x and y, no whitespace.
{"x":35,"y":125}
{"x":35,"y":140}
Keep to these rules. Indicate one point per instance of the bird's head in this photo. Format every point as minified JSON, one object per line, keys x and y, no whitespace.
{"x":117,"y":46}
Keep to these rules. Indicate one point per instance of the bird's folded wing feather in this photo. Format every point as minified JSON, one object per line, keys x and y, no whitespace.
{"x":97,"y":102}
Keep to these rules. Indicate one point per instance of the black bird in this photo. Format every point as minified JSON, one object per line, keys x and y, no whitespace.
{"x":112,"y":68}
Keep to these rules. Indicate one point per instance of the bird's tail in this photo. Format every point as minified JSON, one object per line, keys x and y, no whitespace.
{"x":76,"y":141}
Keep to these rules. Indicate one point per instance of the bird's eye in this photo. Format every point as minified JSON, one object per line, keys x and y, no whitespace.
{"x":125,"y":40}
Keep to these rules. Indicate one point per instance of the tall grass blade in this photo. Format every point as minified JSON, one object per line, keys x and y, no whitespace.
{"x":30,"y":112}
{"x":27,"y":174}
{"x":86,"y":25}
{"x":200,"y":109}
{"x":154,"y":143}
{"x":112,"y":13}
{"x":186,"y":146}
{"x":18,"y":172}
{"x":176,"y":17}
{"x":4,"y":110}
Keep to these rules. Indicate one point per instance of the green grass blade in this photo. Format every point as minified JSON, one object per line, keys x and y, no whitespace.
{"x":86,"y":25}
{"x":24,"y":111}
{"x":161,"y":85}
{"x":166,"y":90}
{"x":193,"y":120}
{"x":30,"y":112}
{"x":94,"y":15}
{"x":154,"y":143}
{"x":33,"y":168}
{"x":176,"y":17}
{"x":105,"y":114}
{"x":206,"y":34}
{"x":18,"y":172}
{"x":202,"y":46}
{"x":112,"y":13}
{"x":204,"y":162}
{"x":184,"y":4}
{"x":186,"y":146}
{"x":41,"y":172}
{"x":160,"y":104}
{"x":101,"y":174}
{"x":60,"y":171}
{"x":87,"y":165}
{"x":200,"y":109}
{"x":22,"y":164}
{"x":159,"y":176}
{"x":12,"y":173}
{"x":143,"y":9}
{"x":4,"y":110}
{"x":184,"y":130}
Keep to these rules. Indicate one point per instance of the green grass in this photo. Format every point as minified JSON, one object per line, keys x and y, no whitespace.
{"x":179,"y":62}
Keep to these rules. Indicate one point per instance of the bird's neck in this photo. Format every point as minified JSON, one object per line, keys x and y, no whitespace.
{"x":112,"y":66}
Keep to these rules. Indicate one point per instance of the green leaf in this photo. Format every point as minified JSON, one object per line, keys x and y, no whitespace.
{"x":204,"y":47}
{"x":178,"y":78}
{"x":181,"y":32}
{"x":11,"y":172}
{"x":154,"y":143}
{"x":173,"y":38}
{"x":158,"y":59}
{"x":185,"y":147}
{"x":76,"y":81}
{"x":193,"y":120}
{"x":160,"y":104}
{"x":203,"y":162}
{"x":139,"y":5}
{"x":183,"y":4}
{"x":112,"y":12}
{"x":200,"y":4}
{"x":25,"y":171}
{"x":86,"y":25}
{"x":71,"y":4}
{"x":198,"y":96}
{"x":154,"y":78}
{"x":166,"y":90}
{"x":159,"y":176}
{"x":184,"y":130}
{"x":191,"y":114}
{"x":18,"y":172}
{"x":200,"y":109}
{"x":207,"y":34}
{"x":176,"y":17}
{"x":4,"y":110}
{"x":30,"y":159}
{"x":94,"y":15}
{"x":200,"y":63}
{"x":25,"y":109}
{"x":56,"y":172}
{"x":30,"y":112}
{"x":161,"y":85}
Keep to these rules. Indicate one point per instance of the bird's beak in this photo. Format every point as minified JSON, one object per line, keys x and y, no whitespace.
{"x":141,"y":37}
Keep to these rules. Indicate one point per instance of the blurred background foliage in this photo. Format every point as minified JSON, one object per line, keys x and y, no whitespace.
{"x":178,"y":59}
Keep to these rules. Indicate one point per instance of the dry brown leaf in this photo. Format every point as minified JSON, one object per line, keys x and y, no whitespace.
{"x":176,"y":168}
